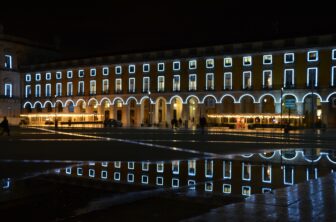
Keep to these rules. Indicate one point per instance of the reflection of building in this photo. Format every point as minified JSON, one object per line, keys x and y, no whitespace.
{"x":239,"y":175}
{"x":232,"y":85}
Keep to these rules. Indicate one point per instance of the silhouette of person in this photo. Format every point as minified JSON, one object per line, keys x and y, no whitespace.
{"x":4,"y":124}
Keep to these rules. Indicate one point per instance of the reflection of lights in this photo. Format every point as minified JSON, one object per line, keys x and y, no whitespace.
{"x":251,"y":115}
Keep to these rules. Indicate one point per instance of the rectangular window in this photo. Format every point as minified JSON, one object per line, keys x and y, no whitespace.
{"x":227,"y":62}
{"x":28,"y":77}
{"x":227,"y":80}
{"x":193,"y":64}
{"x":144,"y":179}
{"x":176,"y":83}
{"x":267,"y":59}
{"x":105,"y":71}
{"x":58,"y":75}
{"x":227,"y":188}
{"x":160,"y":167}
{"x":289,"y":78}
{"x":58,"y":89}
{"x":48,"y":90}
{"x":208,"y":186}
{"x":69,"y":89}
{"x":145,"y":166}
{"x":247,"y":80}
{"x":210,"y":81}
{"x":176,"y":65}
{"x":289,"y":57}
{"x":176,"y":167}
{"x":192,"y":82}
{"x":92,"y":87}
{"x":118,"y":86}
{"x":131,"y":68}
{"x":105,"y":86}
{"x":8,"y":62}
{"x":116,"y":176}
{"x":28,"y":91}
{"x":191,"y":184}
{"x":81,"y":88}
{"x":38,"y":76}
{"x":175,"y":182}
{"x":145,"y":84}
{"x":247,"y":60}
{"x":267,"y":174}
{"x":118,"y":70}
{"x":227,"y":169}
{"x":191,"y":167}
{"x":38,"y":90}
{"x":159,"y":181}
{"x":81,"y":73}
{"x":8,"y":90}
{"x":131,"y":85}
{"x":48,"y":76}
{"x":333,"y":76}
{"x":333,"y":54}
{"x":246,"y":171}
{"x":130,"y":165}
{"x":267,"y":79}
{"x":246,"y":190}
{"x":117,"y":164}
{"x":92,"y":72}
{"x":145,"y":67}
{"x":288,"y":175}
{"x":161,"y":84}
{"x":208,"y":168}
{"x":312,"y":77}
{"x":312,"y":56}
{"x":161,"y":67}
{"x":210,"y":63}
{"x":69,"y":74}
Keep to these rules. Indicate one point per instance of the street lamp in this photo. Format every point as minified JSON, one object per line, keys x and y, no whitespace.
{"x":149,"y":108}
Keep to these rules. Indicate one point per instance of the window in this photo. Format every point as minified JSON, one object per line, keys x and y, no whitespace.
{"x":333,"y":77}
{"x":58,"y":89}
{"x":267,"y":79}
{"x":208,"y":168}
{"x":81,"y":88}
{"x":176,"y":65}
{"x":145,"y":166}
{"x":210,"y":63}
{"x":144,"y":179}
{"x":289,"y":57}
{"x":312,"y":77}
{"x":288,"y":175}
{"x":312,"y":56}
{"x":105,"y":71}
{"x":175,"y":183}
{"x":226,"y":188}
{"x":246,"y":190}
{"x":69,"y":74}
{"x":38,"y":76}
{"x":267,"y":174}
{"x":160,"y":167}
{"x":227,"y":62}
{"x":92,"y":72}
{"x":117,"y":164}
{"x":118,"y":86}
{"x":289,"y":78}
{"x":130,"y":165}
{"x":227,"y":80}
{"x":227,"y":169}
{"x":131,"y":85}
{"x":176,"y":167}
{"x":192,"y":82}
{"x":210,"y":82}
{"x":246,"y":174}
{"x":192,"y":64}
{"x":161,"y":67}
{"x":176,"y":83}
{"x":333,"y":54}
{"x":81,"y":73}
{"x":267,"y":59}
{"x":191,"y":184}
{"x":28,"y":91}
{"x":159,"y":181}
{"x":118,"y":70}
{"x":247,"y":61}
{"x":58,"y":75}
{"x":145,"y":67}
{"x":48,"y":76}
{"x":92,"y":87}
{"x":208,"y":186}
{"x":38,"y":90}
{"x":145,"y":84}
{"x":247,"y":80}
{"x":131,"y":68}
{"x":116,"y":176}
{"x":48,"y":90}
{"x":105,"y":86}
{"x":28,"y":77}
{"x":69,"y":89}
{"x":8,"y":89}
{"x":161,"y":84}
{"x":8,"y":62}
{"x":191,"y":167}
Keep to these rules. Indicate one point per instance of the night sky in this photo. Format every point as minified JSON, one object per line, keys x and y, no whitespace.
{"x":121,"y":28}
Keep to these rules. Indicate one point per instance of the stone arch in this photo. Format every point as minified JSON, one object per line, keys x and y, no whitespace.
{"x":161,"y":111}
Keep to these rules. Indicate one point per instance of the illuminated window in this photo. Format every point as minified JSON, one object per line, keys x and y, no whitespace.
{"x":69,"y":74}
{"x":145,"y":166}
{"x":48,"y":76}
{"x":104,"y":164}
{"x":210,"y":81}
{"x":8,"y":62}
{"x":119,"y":104}
{"x":69,"y":89}
{"x":175,"y":183}
{"x":117,"y":164}
{"x":208,"y":168}
{"x":105,"y":71}
{"x":159,"y":181}
{"x":81,"y":73}
{"x":208,"y":186}
{"x":247,"y":80}
{"x":289,"y":78}
{"x":91,"y":173}
{"x":48,"y":90}
{"x":227,"y":80}
{"x":191,"y":184}
{"x":267,"y":174}
{"x":28,"y":91}
{"x":118,"y":70}
{"x":38,"y":76}
{"x":247,"y":60}
{"x":176,"y":83}
{"x":131,"y":68}
{"x":28,"y":77}
{"x":8,"y":90}
{"x":246,"y":171}
{"x":289,"y":57}
{"x":58,"y":75}
{"x":193,"y":64}
{"x":161,"y":67}
{"x":176,"y":65}
{"x":144,"y":179}
{"x":161,"y":84}
{"x":145,"y":84}
{"x":118,"y":86}
{"x":227,"y":188}
{"x":266,"y":190}
{"x":192,"y":82}
{"x":227,"y":169}
{"x":191,"y":167}
{"x":227,"y":62}
{"x":92,"y":72}
{"x":116,"y":176}
{"x":130,"y":177}
{"x":105,"y":86}
{"x":103,"y":174}
{"x":267,"y":79}
{"x":210,"y":63}
{"x":38,"y":90}
{"x":333,"y":76}
{"x":58,"y":89}
{"x":131,"y":85}
{"x":79,"y":171}
{"x":81,"y":88}
{"x":176,"y":167}
{"x":246,"y":190}
{"x":267,"y":59}
{"x":288,"y":175}
{"x":145,"y":67}
{"x":312,"y":56}
{"x":130,"y":165}
{"x":68,"y":170}
{"x":159,"y":167}
{"x":312,"y":77}
{"x":93,"y":87}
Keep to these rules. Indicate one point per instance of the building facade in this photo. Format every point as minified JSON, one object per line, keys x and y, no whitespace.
{"x":249,"y":85}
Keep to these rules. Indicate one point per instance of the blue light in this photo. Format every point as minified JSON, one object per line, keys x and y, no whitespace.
{"x":104,"y":174}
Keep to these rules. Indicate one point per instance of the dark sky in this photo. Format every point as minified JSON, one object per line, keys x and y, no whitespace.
{"x":129,"y":27}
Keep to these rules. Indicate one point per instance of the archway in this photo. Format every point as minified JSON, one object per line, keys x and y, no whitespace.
{"x":228,"y":105}
{"x":193,"y":111}
{"x":247,"y":105}
{"x":176,"y":109}
{"x":161,"y":111}
{"x":312,"y":110}
{"x":330,"y":114}
{"x":118,"y":105}
{"x":145,"y":112}
{"x":105,"y":106}
{"x":93,"y":108}
{"x":48,"y":107}
{"x":132,"y":111}
{"x":267,"y":104}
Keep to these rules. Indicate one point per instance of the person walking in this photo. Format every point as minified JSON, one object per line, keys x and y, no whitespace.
{"x":4,"y":124}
